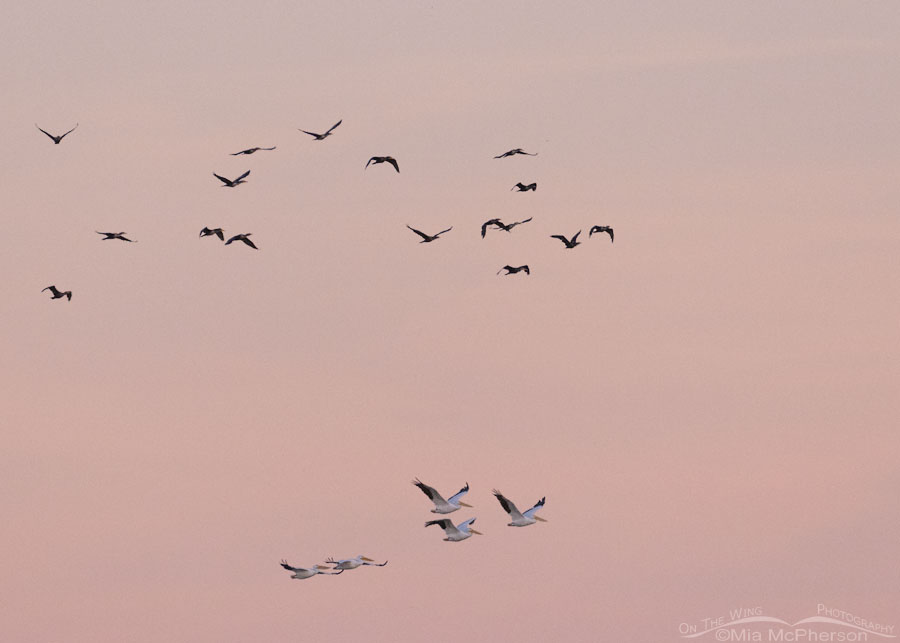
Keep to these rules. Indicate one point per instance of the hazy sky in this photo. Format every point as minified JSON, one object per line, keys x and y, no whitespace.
{"x":709,"y":405}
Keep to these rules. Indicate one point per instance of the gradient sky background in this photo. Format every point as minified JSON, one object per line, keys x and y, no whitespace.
{"x":709,"y":404}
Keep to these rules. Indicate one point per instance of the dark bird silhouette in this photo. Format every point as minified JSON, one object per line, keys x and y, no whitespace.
{"x":229,"y":183}
{"x":57,"y":294}
{"x":511,"y":270}
{"x":114,"y":235}
{"x":502,"y":226}
{"x":602,"y":228}
{"x":518,"y":150}
{"x":524,"y":188}
{"x":427,"y":238}
{"x":384,"y":159}
{"x":569,"y":244}
{"x":322,"y":137}
{"x":57,"y":139}
{"x":484,"y":226}
{"x":208,"y":232}
{"x":254,"y":149}
{"x":242,"y":237}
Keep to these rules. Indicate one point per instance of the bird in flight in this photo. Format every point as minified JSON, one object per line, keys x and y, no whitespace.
{"x":427,"y":238}
{"x":511,"y":270}
{"x":502,"y":226}
{"x":244,"y":238}
{"x":322,"y":137}
{"x":384,"y":159}
{"x":229,"y":183}
{"x":353,"y":563}
{"x":518,"y":150}
{"x":519,"y":519}
{"x":569,"y":244}
{"x":307,"y":572}
{"x":457,"y":533}
{"x":208,"y":232}
{"x":602,"y":228}
{"x":57,"y":294}
{"x":114,"y":235}
{"x":524,"y":188}
{"x":484,"y":226}
{"x":442,"y":506}
{"x":254,"y":149}
{"x":57,"y":139}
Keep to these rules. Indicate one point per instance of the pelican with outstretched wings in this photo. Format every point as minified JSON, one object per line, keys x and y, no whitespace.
{"x":457,"y":533}
{"x":353,"y":563}
{"x":58,"y":294}
{"x":518,"y":518}
{"x":442,"y":506}
{"x":57,"y":139}
{"x":322,"y":137}
{"x":307,"y":572}
{"x":236,"y":182}
{"x":384,"y":159}
{"x":428,"y":238}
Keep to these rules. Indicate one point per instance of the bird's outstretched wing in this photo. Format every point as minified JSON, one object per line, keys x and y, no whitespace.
{"x":223,"y":179}
{"x":419,"y":232}
{"x":443,"y":231}
{"x":219,"y":233}
{"x":508,"y":506}
{"x":52,"y":289}
{"x":330,"y":129}
{"x":485,"y":225}
{"x":310,"y":133}
{"x":69,"y":132}
{"x":537,"y":505}
{"x":284,"y":564}
{"x":444,"y":523}
{"x":459,"y":494}
{"x":249,"y":243}
{"x":242,"y":176}
{"x":575,"y":238}
{"x":53,"y":138}
{"x":371,"y":160}
{"x":431,"y":492}
{"x":393,"y":162}
{"x":521,"y":187}
{"x":561,"y":238}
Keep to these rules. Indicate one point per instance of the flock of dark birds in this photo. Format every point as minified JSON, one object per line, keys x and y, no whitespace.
{"x":495,"y":223}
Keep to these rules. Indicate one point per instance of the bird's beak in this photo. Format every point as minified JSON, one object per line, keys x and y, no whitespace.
{"x":539,"y":518}
{"x":477,"y":533}
{"x":462,"y":504}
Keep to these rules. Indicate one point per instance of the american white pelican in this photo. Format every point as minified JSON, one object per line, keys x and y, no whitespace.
{"x":57,"y":139}
{"x":353,"y":563}
{"x":602,"y":228}
{"x":569,"y":244}
{"x":208,"y":232}
{"x":524,"y":188}
{"x":229,"y":183}
{"x":428,"y":238}
{"x":511,"y":270}
{"x":519,"y":519}
{"x":322,"y":137}
{"x":253,"y":149}
{"x":518,"y":150}
{"x":242,"y":237}
{"x":57,"y":294}
{"x":457,"y":533}
{"x":114,"y":235}
{"x":384,"y":159}
{"x":307,"y":572}
{"x":442,"y":506}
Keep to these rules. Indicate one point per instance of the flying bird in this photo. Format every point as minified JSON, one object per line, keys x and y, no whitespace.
{"x":442,"y":506}
{"x":457,"y":533}
{"x":114,"y":235}
{"x":602,"y":228}
{"x":524,"y":188}
{"x":502,"y":226}
{"x":242,"y":237}
{"x":57,"y":139}
{"x":307,"y":572}
{"x":511,"y":270}
{"x":384,"y":159}
{"x":208,"y":232}
{"x":353,"y":563}
{"x":569,"y":244}
{"x":518,"y":150}
{"x":229,"y":183}
{"x":485,"y":225}
{"x":427,"y":238}
{"x":519,"y":519}
{"x":252,"y":150}
{"x":322,"y":137}
{"x":57,"y":294}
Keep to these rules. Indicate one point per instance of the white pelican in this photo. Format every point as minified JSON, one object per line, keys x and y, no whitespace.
{"x":518,"y":150}
{"x":384,"y":159}
{"x":114,"y":235}
{"x":442,"y":506}
{"x":57,"y":294}
{"x":519,"y":519}
{"x":569,"y":244}
{"x":353,"y":563}
{"x":307,"y":572}
{"x":602,"y":228}
{"x":208,"y":232}
{"x":428,"y":238}
{"x":322,"y":137}
{"x":229,"y":183}
{"x":57,"y":139}
{"x":243,"y":237}
{"x":457,"y":533}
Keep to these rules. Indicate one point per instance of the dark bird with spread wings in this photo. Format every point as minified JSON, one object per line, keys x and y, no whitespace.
{"x":208,"y":232}
{"x":114,"y":235}
{"x":511,"y":270}
{"x":569,"y":243}
{"x":442,"y":506}
{"x":244,"y":238}
{"x":322,"y":137}
{"x":524,"y":188}
{"x":507,"y":227}
{"x":57,"y":294}
{"x":57,"y":139}
{"x":229,"y":183}
{"x":602,"y":228}
{"x":428,"y":238}
{"x":254,"y":149}
{"x":518,"y":150}
{"x":384,"y":159}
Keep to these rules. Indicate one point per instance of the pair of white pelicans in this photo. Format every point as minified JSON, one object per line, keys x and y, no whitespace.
{"x":339,"y":567}
{"x":455,"y":533}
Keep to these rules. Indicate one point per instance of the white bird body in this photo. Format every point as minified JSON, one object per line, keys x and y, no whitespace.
{"x":307,"y":572}
{"x":455,"y":533}
{"x":442,"y":506}
{"x":353,"y":563}
{"x":518,"y":518}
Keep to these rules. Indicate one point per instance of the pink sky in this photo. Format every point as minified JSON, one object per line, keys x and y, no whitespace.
{"x":709,"y":404}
